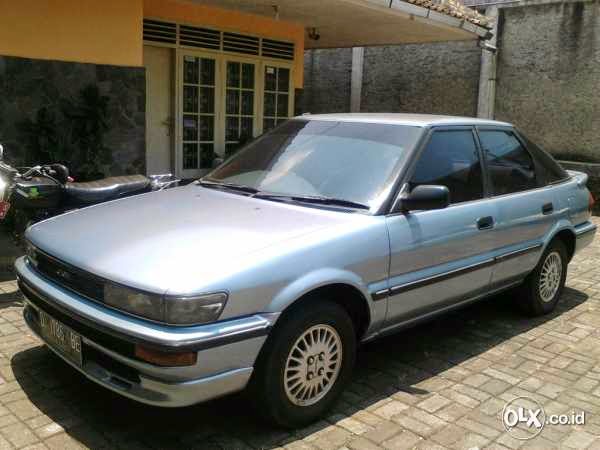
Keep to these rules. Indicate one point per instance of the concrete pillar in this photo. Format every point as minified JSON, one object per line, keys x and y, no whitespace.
{"x":487,"y":75}
{"x":356,"y":78}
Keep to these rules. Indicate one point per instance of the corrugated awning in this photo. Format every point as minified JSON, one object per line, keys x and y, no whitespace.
{"x":353,"y":23}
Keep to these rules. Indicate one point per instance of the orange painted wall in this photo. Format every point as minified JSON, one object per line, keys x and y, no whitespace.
{"x":95,"y":31}
{"x":110,"y":31}
{"x":234,"y":21}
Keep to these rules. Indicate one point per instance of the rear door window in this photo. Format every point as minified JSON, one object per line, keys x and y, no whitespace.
{"x":548,"y":170}
{"x":451,"y":159}
{"x":510,"y":166}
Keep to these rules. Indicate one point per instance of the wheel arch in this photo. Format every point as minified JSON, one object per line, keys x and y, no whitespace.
{"x":567,"y":236}
{"x":566,"y":233}
{"x":344,"y":289}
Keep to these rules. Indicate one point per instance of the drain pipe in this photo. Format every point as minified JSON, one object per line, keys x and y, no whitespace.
{"x":356,"y":80}
{"x":487,"y":74}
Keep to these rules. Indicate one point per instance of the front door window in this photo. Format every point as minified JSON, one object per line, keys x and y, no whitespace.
{"x":451,"y":159}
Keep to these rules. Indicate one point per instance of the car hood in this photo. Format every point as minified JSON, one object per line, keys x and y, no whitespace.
{"x":159,"y":241}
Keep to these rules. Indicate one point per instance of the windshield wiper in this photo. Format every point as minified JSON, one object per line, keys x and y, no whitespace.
{"x":289,"y":197}
{"x":231,"y":186}
{"x":312,"y":199}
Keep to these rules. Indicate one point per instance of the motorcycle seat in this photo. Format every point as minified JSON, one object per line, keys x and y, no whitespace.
{"x":106,"y":189}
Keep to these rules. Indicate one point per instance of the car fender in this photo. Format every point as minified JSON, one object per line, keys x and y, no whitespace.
{"x":561,"y":225}
{"x":327,"y":276}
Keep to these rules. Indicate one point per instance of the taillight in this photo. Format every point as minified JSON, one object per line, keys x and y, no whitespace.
{"x":591,"y":202}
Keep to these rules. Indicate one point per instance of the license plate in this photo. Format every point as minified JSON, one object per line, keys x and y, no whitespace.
{"x":4,"y":207}
{"x":61,"y":338}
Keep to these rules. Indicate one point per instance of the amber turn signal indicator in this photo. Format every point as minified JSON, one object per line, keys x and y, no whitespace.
{"x":165,"y":359}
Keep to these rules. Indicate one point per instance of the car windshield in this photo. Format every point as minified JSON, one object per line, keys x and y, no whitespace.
{"x":318,"y":159}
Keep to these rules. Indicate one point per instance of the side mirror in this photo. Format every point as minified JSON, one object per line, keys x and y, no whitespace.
{"x":1,"y":153}
{"x":425,"y":197}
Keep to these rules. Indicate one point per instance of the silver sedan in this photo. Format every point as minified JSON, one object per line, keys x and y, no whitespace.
{"x":328,"y":231}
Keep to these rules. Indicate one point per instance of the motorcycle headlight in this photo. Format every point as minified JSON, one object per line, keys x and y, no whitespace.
{"x":171,"y":310}
{"x":135,"y":302}
{"x":194,"y":310}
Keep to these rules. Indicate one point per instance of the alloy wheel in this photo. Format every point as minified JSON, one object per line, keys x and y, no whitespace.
{"x":550,"y":276}
{"x":313,"y":365}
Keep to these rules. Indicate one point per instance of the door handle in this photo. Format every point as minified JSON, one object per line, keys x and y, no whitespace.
{"x":485,"y":223}
{"x":548,"y":208}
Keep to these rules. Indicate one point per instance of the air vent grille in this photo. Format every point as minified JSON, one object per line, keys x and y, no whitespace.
{"x":189,"y":36}
{"x":239,"y":43}
{"x":199,"y":37}
{"x":277,"y":49}
{"x":157,"y":31}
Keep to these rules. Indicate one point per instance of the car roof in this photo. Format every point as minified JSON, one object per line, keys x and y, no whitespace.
{"x":421,"y":120}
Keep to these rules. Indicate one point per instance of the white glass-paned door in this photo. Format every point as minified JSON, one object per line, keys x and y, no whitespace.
{"x":198,"y":114}
{"x":240,"y":104}
{"x":276,"y":107}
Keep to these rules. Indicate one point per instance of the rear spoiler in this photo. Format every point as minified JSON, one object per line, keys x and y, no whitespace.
{"x":580,"y":177}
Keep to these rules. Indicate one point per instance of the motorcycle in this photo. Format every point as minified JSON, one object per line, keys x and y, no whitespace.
{"x":39,"y":192}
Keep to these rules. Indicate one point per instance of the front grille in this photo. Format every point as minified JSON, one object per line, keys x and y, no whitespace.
{"x":70,"y":277}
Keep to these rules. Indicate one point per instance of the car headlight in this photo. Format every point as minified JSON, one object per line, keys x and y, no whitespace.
{"x":194,"y":310}
{"x":171,"y":310}
{"x":135,"y":302}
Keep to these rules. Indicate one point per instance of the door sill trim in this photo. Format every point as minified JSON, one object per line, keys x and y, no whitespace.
{"x":413,"y":321}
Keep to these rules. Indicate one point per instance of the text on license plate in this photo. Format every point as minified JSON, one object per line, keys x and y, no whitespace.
{"x":61,"y":338}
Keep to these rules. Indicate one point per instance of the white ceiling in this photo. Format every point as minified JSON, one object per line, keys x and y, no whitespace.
{"x":350,"y":23}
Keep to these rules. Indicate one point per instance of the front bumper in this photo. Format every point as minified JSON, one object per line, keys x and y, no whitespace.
{"x":226,"y":350}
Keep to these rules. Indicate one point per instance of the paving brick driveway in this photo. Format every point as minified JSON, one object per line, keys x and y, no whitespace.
{"x":441,"y":385}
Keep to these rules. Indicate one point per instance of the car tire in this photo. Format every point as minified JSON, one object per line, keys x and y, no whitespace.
{"x":305,"y":364}
{"x":543,"y":287}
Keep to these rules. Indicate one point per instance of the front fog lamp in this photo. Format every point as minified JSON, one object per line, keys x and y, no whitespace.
{"x":194,"y":310}
{"x":134,"y":302}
